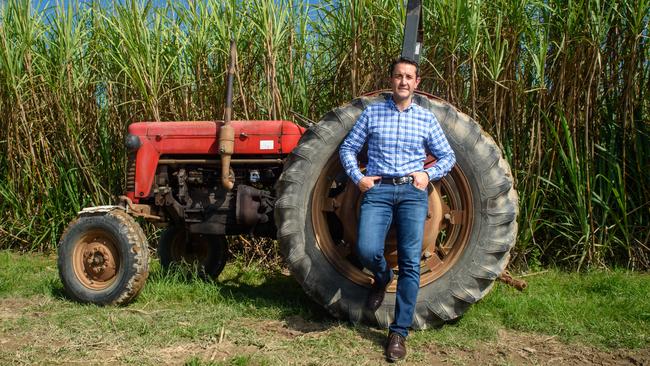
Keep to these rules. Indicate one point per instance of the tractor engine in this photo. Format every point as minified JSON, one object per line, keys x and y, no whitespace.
{"x":192,"y":194}
{"x":174,"y":175}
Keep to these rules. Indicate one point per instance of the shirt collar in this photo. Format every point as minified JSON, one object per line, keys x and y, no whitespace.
{"x":392,"y":105}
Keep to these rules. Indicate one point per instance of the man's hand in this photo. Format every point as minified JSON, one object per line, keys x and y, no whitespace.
{"x":368,"y":182}
{"x":420,"y":180}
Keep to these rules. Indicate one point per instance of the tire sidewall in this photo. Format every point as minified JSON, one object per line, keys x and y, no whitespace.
{"x":464,"y":283}
{"x":127,"y":268}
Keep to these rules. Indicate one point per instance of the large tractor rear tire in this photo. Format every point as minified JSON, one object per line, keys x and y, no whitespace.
{"x":103,"y":258}
{"x":470,"y":230}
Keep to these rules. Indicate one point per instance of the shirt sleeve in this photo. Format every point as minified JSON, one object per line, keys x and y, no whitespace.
{"x":439,"y":146}
{"x":352,"y":145}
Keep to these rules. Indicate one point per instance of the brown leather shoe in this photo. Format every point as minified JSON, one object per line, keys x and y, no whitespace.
{"x":377,"y":293}
{"x":395,"y":347}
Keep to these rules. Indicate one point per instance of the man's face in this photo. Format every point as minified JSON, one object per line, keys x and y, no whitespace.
{"x":403,"y":82}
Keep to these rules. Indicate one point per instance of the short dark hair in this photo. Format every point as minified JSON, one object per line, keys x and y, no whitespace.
{"x":403,"y":60}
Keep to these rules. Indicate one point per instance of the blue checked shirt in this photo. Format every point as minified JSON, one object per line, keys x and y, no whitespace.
{"x":396,"y":142}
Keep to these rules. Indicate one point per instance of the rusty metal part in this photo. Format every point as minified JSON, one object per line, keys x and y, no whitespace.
{"x":183,"y":188}
{"x":253,"y":206}
{"x":217,"y":161}
{"x":96,"y":259}
{"x":227,"y":132}
{"x":507,"y":278}
{"x":138,"y":210}
{"x":163,"y":198}
{"x":335,"y":213}
{"x":226,"y":148}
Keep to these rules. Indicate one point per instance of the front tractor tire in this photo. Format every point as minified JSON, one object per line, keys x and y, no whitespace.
{"x":469,"y":232}
{"x":103,"y":258}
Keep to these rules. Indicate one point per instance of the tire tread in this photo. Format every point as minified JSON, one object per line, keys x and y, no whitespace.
{"x":447,"y":298}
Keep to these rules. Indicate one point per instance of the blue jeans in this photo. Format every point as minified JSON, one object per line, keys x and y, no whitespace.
{"x":407,"y":206}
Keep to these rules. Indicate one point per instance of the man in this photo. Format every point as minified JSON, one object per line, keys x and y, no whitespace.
{"x":394,"y":189}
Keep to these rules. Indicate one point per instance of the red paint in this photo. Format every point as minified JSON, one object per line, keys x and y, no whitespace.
{"x":270,"y":138}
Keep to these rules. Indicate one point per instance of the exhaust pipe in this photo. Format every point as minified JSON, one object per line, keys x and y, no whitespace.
{"x":227,"y":132}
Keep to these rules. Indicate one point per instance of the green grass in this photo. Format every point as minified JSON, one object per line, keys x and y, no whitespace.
{"x":604,"y":309}
{"x":267,"y":319}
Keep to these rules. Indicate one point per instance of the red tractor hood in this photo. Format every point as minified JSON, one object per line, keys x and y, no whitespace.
{"x":201,"y":137}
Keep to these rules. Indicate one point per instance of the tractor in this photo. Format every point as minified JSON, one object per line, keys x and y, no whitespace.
{"x":204,"y":180}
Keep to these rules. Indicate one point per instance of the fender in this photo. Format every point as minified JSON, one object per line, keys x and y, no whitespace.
{"x":99,"y":209}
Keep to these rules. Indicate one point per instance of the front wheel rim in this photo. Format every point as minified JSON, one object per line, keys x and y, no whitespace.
{"x":96,"y":260}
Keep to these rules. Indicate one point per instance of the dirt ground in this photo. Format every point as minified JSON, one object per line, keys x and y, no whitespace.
{"x":290,"y":341}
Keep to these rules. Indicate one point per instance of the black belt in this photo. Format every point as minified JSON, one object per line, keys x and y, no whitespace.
{"x":397,"y":180}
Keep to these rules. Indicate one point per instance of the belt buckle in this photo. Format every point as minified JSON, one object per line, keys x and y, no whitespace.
{"x":401,"y":180}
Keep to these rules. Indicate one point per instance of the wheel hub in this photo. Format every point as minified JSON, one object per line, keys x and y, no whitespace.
{"x":335,"y":215}
{"x":96,"y":260}
{"x":346,"y":207}
{"x":99,"y":262}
